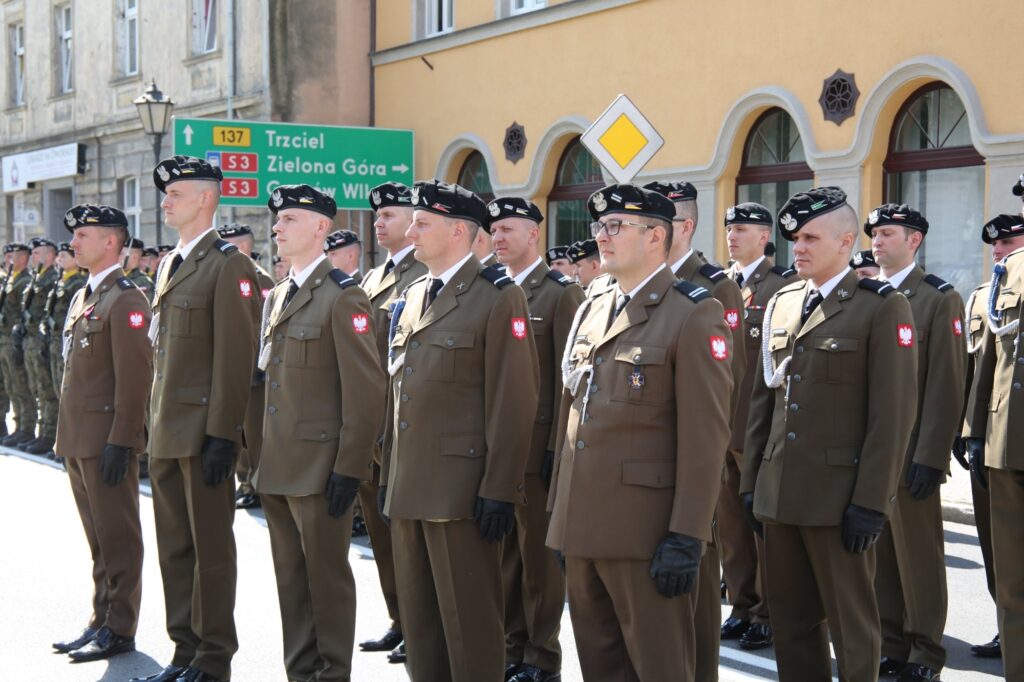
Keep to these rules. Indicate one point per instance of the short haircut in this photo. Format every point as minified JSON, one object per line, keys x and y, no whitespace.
{"x":687,"y":210}
{"x":122,"y":233}
{"x":667,"y":226}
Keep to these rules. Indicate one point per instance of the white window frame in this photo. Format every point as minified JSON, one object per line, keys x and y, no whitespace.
{"x":131,"y":201}
{"x":130,"y":28}
{"x":524,"y":6}
{"x":16,"y":34}
{"x":65,"y":48}
{"x":204,"y":26}
{"x":438,"y":17}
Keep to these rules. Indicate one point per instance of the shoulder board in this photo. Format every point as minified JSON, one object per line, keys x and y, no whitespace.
{"x":694,"y":292}
{"x":711,"y":272}
{"x":559,"y":277}
{"x":877,"y":286}
{"x":495,"y":274}
{"x":125,"y":283}
{"x":224,"y":247}
{"x":782,"y":272}
{"x":937,"y":282}
{"x":341,"y":279}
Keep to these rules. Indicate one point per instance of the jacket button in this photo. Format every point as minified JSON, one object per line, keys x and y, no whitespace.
{"x":794,"y":407}
{"x":162,"y":351}
{"x":272,"y":409}
{"x":519,"y":488}
{"x":856,"y":460}
{"x":203,"y":400}
{"x":593,"y":388}
{"x":580,"y":445}
{"x":472,"y":451}
{"x":403,"y":425}
{"x":797,"y":378}
{"x":278,"y":336}
{"x":415,"y":345}
{"x":598,"y":360}
{"x":276,"y":360}
{"x":238,"y":428}
{"x":302,"y":334}
{"x":323,"y":435}
{"x":405,"y":398}
{"x":1020,"y":361}
{"x":274,"y":384}
{"x":799,"y":349}
{"x":892,"y":499}
{"x":159,"y":375}
{"x":1016,"y":385}
{"x":790,"y":436}
{"x":408,"y":370}
{"x":163,"y":328}
{"x":449,"y":343}
{"x":833,"y":346}
{"x":636,"y":358}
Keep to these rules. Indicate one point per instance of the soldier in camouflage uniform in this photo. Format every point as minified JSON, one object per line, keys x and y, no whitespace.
{"x":133,"y":268}
{"x":36,"y":347}
{"x":57,"y":303}
{"x":11,"y":354}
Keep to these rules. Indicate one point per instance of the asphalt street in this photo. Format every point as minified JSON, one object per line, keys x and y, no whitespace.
{"x":45,"y":589}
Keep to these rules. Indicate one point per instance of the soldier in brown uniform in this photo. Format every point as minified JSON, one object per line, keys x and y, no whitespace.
{"x":863,"y":263}
{"x":534,"y":583}
{"x":344,"y":250}
{"x":830,"y":420}
{"x":392,"y":204}
{"x":465,"y":387}
{"x":639,"y":461}
{"x":995,"y":436}
{"x":324,"y":400}
{"x":586,"y":262}
{"x":748,"y":231}
{"x":101,"y":426}
{"x":133,"y":267}
{"x":206,"y":312}
{"x":910,"y":577}
{"x":557,"y":258}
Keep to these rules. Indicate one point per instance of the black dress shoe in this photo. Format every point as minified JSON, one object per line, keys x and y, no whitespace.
{"x":26,"y":444}
{"x":919,"y":673}
{"x":247,"y":501}
{"x":87,"y":636}
{"x":107,"y":643}
{"x":19,"y":436}
{"x":168,"y":674}
{"x":191,"y":674}
{"x":733,"y":628}
{"x":389,"y":641}
{"x":510,"y":670}
{"x":757,"y":636}
{"x":724,"y":590}
{"x":890,"y":666}
{"x":530,"y":673}
{"x":398,"y":655}
{"x":40,"y":446}
{"x":988,"y":650}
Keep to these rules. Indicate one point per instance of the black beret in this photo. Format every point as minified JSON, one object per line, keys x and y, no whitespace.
{"x":390,"y":194}
{"x":65,"y":247}
{"x":275,"y":260}
{"x":136,"y":243}
{"x":169,"y":171}
{"x":630,"y":199}
{"x":896,"y":214}
{"x":583,"y":249}
{"x":150,"y":251}
{"x":92,"y":214}
{"x":863,"y":259}
{"x":302,"y":196}
{"x":769,"y":249}
{"x":1018,"y":188}
{"x":1002,"y":226}
{"x":803,"y":207}
{"x":748,"y":213}
{"x":512,"y":207}
{"x":556,"y":253}
{"x":17,"y":246}
{"x":676,"y":191}
{"x":451,"y":201}
{"x":41,"y":241}
{"x":336,"y":240}
{"x":234,"y":230}
{"x":165,"y":248}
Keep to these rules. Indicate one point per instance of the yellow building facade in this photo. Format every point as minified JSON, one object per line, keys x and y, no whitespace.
{"x":917,"y":102}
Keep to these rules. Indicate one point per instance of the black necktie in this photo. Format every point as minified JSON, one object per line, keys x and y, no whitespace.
{"x":620,"y":303}
{"x":388,"y":267}
{"x":88,"y":292}
{"x":435,"y":286}
{"x":175,"y":264}
{"x":813,"y":301}
{"x":293,"y":289}
{"x":739,"y":279}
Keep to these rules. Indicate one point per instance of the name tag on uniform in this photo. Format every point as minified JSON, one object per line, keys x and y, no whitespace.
{"x":779,"y":332}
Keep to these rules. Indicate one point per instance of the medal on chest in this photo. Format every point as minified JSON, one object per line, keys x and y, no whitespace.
{"x":636,"y":379}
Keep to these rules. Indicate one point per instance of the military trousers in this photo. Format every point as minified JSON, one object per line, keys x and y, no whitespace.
{"x":742,"y":550}
{"x":534,"y":586}
{"x":37,"y":364}
{"x":16,"y":383}
{"x":1006,"y":490}
{"x":380,"y":540}
{"x":198,"y":563}
{"x":818,"y":589}
{"x":449,"y":593}
{"x":910,"y":581}
{"x":707,"y":618}
{"x":625,"y":631}
{"x":110,"y":518}
{"x":315,"y":587}
{"x":983,"y":521}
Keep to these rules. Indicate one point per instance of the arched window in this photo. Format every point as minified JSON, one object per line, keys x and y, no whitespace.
{"x":932,"y":166}
{"x":773,"y":168}
{"x":578,"y":176}
{"x":474,"y":176}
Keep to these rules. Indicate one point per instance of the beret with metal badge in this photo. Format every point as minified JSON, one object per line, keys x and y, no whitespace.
{"x":233,"y":230}
{"x":630,"y":199}
{"x":301,"y":196}
{"x":94,"y":214}
{"x":176,"y":168}
{"x":17,"y":246}
{"x":556,"y":253}
{"x":451,"y":201}
{"x":582,"y":249}
{"x":150,"y":251}
{"x":748,"y":213}
{"x":41,"y":241}
{"x":65,"y":247}
{"x":390,"y":194}
{"x":1003,"y":226}
{"x":339,"y":239}
{"x":136,"y":243}
{"x":896,"y":214}
{"x":676,"y":191}
{"x":512,"y":207}
{"x":863,"y":259}
{"x":803,"y":207}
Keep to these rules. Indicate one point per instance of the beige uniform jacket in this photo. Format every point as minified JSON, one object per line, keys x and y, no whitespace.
{"x":383,"y":290}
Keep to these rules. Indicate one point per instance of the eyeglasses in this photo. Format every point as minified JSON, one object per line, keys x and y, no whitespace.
{"x":611,"y":227}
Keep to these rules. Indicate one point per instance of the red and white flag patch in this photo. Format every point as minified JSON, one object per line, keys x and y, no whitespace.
{"x":904,"y":335}
{"x":958,"y":327}
{"x":360,"y":323}
{"x":245,"y":288}
{"x":136,"y":320}
{"x":732,"y":318}
{"x":719,"y":349}
{"x":519,"y":328}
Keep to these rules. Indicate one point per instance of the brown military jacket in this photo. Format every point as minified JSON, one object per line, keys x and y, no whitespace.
{"x":756,"y":291}
{"x":383,"y":290}
{"x":465,"y":386}
{"x":836,"y":430}
{"x":324,"y":387}
{"x":204,"y":329}
{"x":977,"y":320}
{"x":995,"y":409}
{"x":640,"y":449}
{"x":108,"y":368}
{"x":553,"y":300}
{"x":941,"y":368}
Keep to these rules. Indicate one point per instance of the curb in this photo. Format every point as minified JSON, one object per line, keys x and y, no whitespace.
{"x":958,"y":513}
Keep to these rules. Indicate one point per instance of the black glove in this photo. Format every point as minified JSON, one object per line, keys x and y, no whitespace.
{"x":960,"y":452}
{"x":114,"y":463}
{"x":861,"y":528}
{"x":259,"y":377}
{"x":218,"y":459}
{"x":496,"y":518}
{"x":923,"y":480}
{"x":748,"y":513}
{"x":976,"y":456}
{"x":547,"y":468}
{"x":675,"y":563}
{"x":382,"y":496}
{"x":341,"y":493}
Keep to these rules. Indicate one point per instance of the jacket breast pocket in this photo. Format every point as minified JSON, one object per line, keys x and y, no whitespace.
{"x":835,"y":359}
{"x":186,"y":315}
{"x":91,"y":331}
{"x":302,"y":346}
{"x":452,"y":356}
{"x":319,"y":431}
{"x":779,"y":347}
{"x":652,"y":474}
{"x":461,"y":445}
{"x":641,"y":374}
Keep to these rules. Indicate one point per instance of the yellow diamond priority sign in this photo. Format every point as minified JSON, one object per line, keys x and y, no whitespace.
{"x":622,"y":139}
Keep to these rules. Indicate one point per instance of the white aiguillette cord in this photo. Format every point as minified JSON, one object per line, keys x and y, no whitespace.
{"x":571,"y":377}
{"x":773,"y":376}
{"x":264,"y":355}
{"x":994,"y":318}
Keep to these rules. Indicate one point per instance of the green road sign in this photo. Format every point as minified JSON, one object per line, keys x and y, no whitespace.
{"x":257,"y":156}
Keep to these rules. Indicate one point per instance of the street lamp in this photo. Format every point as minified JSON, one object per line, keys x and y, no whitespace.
{"x":155,"y":113}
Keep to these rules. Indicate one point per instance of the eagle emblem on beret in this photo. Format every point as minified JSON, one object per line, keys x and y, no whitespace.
{"x":494,"y":210}
{"x":858,"y":258}
{"x":788,"y":222}
{"x":873,"y":217}
{"x":69,"y":219}
{"x":730,"y":213}
{"x":375,"y":198}
{"x":600,"y":203}
{"x":415,"y":196}
{"x":992,"y":230}
{"x":162,"y":172}
{"x":277,"y":198}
